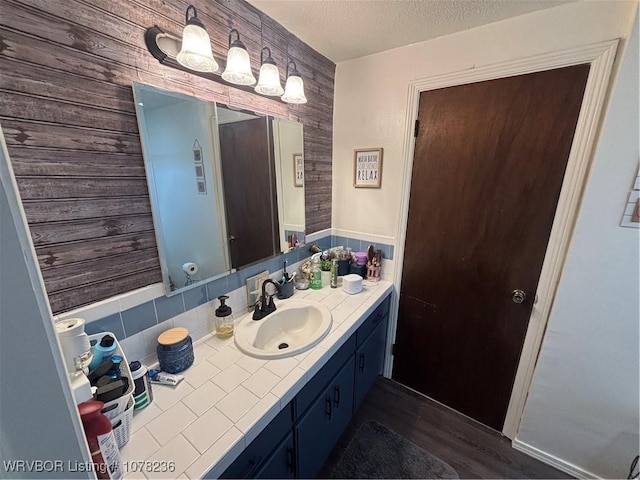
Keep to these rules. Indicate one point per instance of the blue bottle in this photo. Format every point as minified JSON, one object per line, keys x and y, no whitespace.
{"x":103,"y":351}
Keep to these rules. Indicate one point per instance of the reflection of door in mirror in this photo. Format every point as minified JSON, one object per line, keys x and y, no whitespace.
{"x":249,"y":186}
{"x":184,"y":185}
{"x":289,"y":163}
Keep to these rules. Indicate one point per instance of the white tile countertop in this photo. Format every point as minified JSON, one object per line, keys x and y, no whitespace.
{"x":227,"y":397}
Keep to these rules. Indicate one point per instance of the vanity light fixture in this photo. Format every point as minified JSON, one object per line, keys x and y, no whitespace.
{"x":294,"y":88}
{"x":238,"y":69}
{"x":195,"y":52}
{"x":269,"y":79}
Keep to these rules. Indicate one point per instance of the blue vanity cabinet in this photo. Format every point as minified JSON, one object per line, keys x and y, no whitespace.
{"x":299,"y":440}
{"x":317,"y":431}
{"x":369,"y":360}
{"x":280,"y":463}
{"x":260,"y":451}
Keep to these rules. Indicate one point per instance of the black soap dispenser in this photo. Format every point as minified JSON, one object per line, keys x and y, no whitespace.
{"x":224,"y":319}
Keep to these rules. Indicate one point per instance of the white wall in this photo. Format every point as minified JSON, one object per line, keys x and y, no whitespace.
{"x":191,"y":229}
{"x":583,"y":402}
{"x":371,"y":102}
{"x":34,"y":392}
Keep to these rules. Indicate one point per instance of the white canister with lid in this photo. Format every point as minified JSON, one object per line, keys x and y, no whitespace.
{"x":352,"y":283}
{"x":142,"y":393}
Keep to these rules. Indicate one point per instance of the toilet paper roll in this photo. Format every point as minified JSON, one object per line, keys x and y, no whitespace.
{"x":190,"y":268}
{"x":74,"y":342}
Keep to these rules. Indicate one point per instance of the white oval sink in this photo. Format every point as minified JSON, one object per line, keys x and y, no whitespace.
{"x":296,"y":326}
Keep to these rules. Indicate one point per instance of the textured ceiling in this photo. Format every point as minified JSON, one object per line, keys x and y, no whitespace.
{"x":346,"y":29}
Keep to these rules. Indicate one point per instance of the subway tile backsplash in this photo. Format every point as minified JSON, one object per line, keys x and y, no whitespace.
{"x":137,"y":318}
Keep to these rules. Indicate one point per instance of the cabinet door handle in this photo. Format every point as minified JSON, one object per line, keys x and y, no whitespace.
{"x":328,"y":407}
{"x":361,"y":363}
{"x":290,"y":459}
{"x":253,"y":465}
{"x":377,"y":319}
{"x":336,"y":395}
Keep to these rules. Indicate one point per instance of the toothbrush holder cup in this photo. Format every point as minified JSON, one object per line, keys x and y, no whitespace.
{"x":286,"y":290}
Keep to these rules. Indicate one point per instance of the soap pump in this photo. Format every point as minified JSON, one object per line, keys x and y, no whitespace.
{"x":224,"y":319}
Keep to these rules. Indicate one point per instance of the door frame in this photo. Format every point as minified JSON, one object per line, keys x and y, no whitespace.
{"x":601,"y":57}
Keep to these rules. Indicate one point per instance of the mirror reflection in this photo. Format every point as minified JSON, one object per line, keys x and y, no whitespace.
{"x":289,"y":161}
{"x":248,"y":173}
{"x":226,"y":186}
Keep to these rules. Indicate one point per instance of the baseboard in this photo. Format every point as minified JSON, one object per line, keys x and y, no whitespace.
{"x":556,"y":462}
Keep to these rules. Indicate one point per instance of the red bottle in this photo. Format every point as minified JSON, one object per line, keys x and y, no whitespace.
{"x":102,"y":442}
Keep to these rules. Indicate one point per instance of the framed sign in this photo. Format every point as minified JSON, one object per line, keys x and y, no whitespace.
{"x":367,"y":167}
{"x":197,"y":152}
{"x":298,"y":170}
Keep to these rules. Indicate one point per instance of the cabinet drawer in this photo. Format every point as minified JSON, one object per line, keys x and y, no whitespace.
{"x":372,"y":320}
{"x":321,"y":426}
{"x":314,"y":386}
{"x":258,"y":451}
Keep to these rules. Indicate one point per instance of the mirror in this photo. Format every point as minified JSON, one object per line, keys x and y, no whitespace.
{"x":226,"y":186}
{"x":289,"y":161}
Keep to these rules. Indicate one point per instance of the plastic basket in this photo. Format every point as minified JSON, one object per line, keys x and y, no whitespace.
{"x":122,"y":424}
{"x":120,"y":410}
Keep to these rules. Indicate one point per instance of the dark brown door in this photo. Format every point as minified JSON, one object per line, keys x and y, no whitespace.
{"x":249,"y":190}
{"x":488,"y":167}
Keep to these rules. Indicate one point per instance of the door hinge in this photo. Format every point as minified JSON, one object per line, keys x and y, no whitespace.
{"x":393,"y":349}
{"x":416,"y":128}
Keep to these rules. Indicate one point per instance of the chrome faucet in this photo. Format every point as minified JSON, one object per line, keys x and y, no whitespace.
{"x":265,"y":305}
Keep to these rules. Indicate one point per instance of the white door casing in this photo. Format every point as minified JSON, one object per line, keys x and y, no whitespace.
{"x":601,"y":57}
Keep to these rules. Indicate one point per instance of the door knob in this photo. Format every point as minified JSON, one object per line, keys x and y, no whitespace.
{"x":518,"y":296}
{"x":232,"y":238}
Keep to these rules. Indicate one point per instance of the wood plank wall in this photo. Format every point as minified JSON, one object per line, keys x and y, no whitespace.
{"x":66,"y":107}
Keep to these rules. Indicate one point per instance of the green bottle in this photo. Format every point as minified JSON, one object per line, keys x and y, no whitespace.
{"x":334,"y":273}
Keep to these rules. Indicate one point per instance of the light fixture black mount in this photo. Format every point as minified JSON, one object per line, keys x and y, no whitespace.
{"x":175,"y":51}
{"x":295,"y":69}
{"x":194,"y":20}
{"x":269,"y":59}
{"x":237,"y":42}
{"x":161,"y":45}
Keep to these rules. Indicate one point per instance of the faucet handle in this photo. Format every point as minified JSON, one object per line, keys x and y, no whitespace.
{"x":271,"y":306}
{"x":262,"y":302}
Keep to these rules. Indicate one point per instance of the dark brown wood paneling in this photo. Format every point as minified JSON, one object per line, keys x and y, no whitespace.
{"x":87,"y":272}
{"x":94,"y":208}
{"x":74,"y":230}
{"x":37,"y":134}
{"x":69,"y":122}
{"x":79,"y":251}
{"x":32,"y":188}
{"x":40,"y":161}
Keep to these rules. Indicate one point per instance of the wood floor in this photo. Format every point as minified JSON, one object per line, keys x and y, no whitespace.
{"x":472,"y":449}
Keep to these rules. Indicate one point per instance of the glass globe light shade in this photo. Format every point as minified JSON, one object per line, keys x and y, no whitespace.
{"x":294,"y":90}
{"x":269,"y":80}
{"x":238,"y":69}
{"x":196,"y":50}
